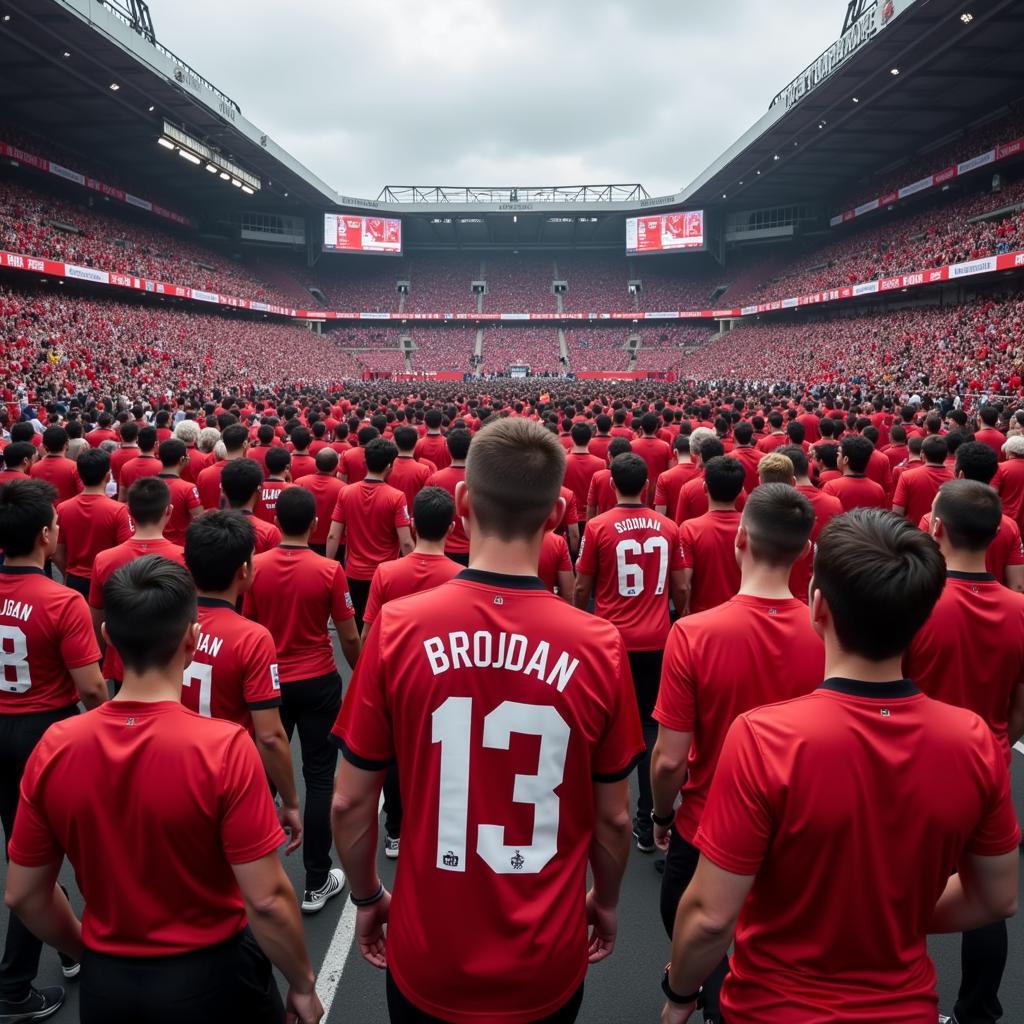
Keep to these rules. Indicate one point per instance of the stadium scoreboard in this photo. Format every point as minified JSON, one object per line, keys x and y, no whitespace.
{"x":665,"y":232}
{"x":346,"y":232}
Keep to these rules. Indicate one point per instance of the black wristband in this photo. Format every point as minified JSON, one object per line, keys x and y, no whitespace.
{"x":370,"y":900}
{"x":674,"y":997}
{"x":663,"y":822}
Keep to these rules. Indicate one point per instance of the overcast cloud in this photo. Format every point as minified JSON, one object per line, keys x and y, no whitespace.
{"x":500,"y":92}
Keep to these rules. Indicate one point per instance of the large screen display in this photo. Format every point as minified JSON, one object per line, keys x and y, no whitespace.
{"x":665,"y":232}
{"x":346,"y":232}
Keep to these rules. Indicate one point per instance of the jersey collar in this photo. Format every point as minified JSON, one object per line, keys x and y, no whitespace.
{"x":21,"y":570}
{"x":500,"y":579}
{"x":973,"y":577}
{"x":213,"y":602}
{"x":858,"y":688}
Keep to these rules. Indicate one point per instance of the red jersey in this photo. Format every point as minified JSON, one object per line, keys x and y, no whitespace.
{"x":197,"y":462}
{"x":137,"y":468}
{"x":89,"y":524}
{"x":670,"y":483}
{"x":99,"y":435}
{"x":302,"y":464}
{"x":880,"y":470}
{"x":184,"y":498}
{"x":1009,"y":482}
{"x":458,"y":540}
{"x":896,"y":454}
{"x":325,"y":487}
{"x":856,"y":492}
{"x":487,"y":685}
{"x":709,"y":549}
{"x":59,"y":471}
{"x":91,"y":773}
{"x":693,"y":500}
{"x":234,"y":668}
{"x":995,"y":439}
{"x":750,"y":457}
{"x":715,"y":670}
{"x":371,"y":513}
{"x":258,"y":453}
{"x":435,"y":448}
{"x":631,"y":552}
{"x":769,"y":443}
{"x":208,"y":483}
{"x":599,"y":445}
{"x":976,"y":621}
{"x":266,"y":499}
{"x":353,"y":465}
{"x":836,"y":923}
{"x":554,"y":558}
{"x":1004,"y":551}
{"x":294,"y":592}
{"x":45,"y":631}
{"x":268,"y":536}
{"x":658,"y":456}
{"x":579,"y":471}
{"x":413,"y":574}
{"x":916,"y":490}
{"x":826,"y":508}
{"x":601,"y":494}
{"x":408,"y":476}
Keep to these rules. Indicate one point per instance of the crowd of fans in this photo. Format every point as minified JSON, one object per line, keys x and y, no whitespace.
{"x":595,"y":348}
{"x":535,"y":347}
{"x":447,"y":348}
{"x":519,"y":284}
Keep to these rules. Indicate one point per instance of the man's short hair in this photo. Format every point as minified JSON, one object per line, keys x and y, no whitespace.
{"x":743,"y":432}
{"x":239,"y":480}
{"x":618,"y":446}
{"x":710,"y":448}
{"x":278,"y":459}
{"x":295,"y":511}
{"x":881,"y":577}
{"x":976,"y":461}
{"x":458,"y":442}
{"x":796,"y":432}
{"x":603,"y":423}
{"x":301,"y":439}
{"x":581,"y":435}
{"x":776,"y":468}
{"x":17,"y":452}
{"x":326,"y":460}
{"x":406,"y":438}
{"x":234,"y":437}
{"x":629,"y":474}
{"x":147,"y":438}
{"x":778,"y":520}
{"x":857,"y":451}
{"x":172,"y":451}
{"x":724,"y":478}
{"x":380,"y":453}
{"x":971,"y":514}
{"x":217,"y":545}
{"x":433,"y":419}
{"x":148,"y":499}
{"x":797,"y":456}
{"x":698,"y":437}
{"x":148,"y":605}
{"x":26,"y":507}
{"x":433,"y":511}
{"x":989,"y":415}
{"x":934,"y":450}
{"x":55,"y":439}
{"x":93,"y":465}
{"x":514,"y":475}
{"x":897,"y":435}
{"x":649,"y":422}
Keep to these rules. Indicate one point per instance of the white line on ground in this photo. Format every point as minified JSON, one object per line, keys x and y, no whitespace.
{"x":336,"y":957}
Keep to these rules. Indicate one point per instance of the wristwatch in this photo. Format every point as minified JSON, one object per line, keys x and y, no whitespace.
{"x":663,"y":822}
{"x":674,"y":997}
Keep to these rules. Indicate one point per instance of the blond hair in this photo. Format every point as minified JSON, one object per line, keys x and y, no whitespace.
{"x":776,"y":468}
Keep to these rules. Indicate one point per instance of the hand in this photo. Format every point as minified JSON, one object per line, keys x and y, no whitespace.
{"x":303,"y":1008}
{"x":677,"y":1013}
{"x":604,"y":924}
{"x":291,"y":821}
{"x":661,"y":837}
{"x":370,"y":931}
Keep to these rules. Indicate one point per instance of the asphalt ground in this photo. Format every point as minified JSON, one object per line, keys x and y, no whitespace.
{"x":621,"y":990}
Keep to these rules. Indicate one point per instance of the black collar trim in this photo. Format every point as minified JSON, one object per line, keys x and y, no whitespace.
{"x":974,"y":577}
{"x":501,"y":579}
{"x":881,"y":691}
{"x":213,"y":602}
{"x":21,"y":570}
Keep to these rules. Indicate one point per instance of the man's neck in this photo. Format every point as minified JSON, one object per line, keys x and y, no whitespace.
{"x":230,"y":595}
{"x":578,"y":450}
{"x":130,"y":445}
{"x":276,"y":478}
{"x":151,"y":687}
{"x":34,"y":560}
{"x":683,"y":459}
{"x":842,"y":665}
{"x":721,"y":506}
{"x":458,"y":464}
{"x":510,"y":558}
{"x":627,"y":499}
{"x":377,"y":478}
{"x":95,"y":489}
{"x":171,"y":471}
{"x":764,"y":581}
{"x":964,"y":561}
{"x":428,"y":547}
{"x":804,"y":481}
{"x":289,"y":541}
{"x":406,"y":455}
{"x":148,"y":532}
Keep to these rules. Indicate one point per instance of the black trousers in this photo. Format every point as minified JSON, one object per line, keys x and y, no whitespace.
{"x":680,"y":865}
{"x":360,"y":591}
{"x":311,"y":706}
{"x":392,"y":803}
{"x":646,"y":669}
{"x":79,"y":583}
{"x":232,"y":981}
{"x":402,"y":1011}
{"x":19,"y":735}
{"x":982,"y":962}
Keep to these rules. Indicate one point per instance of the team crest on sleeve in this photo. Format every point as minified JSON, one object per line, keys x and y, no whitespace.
{"x":348,"y":601}
{"x":275,"y":677}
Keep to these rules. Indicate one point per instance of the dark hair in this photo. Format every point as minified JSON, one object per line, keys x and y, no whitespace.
{"x":172,"y":451}
{"x":711,"y":448}
{"x":326,"y":460}
{"x":581,"y":434}
{"x":857,"y":451}
{"x":265,"y":434}
{"x":798,"y":457}
{"x":129,"y":431}
{"x":239,"y":480}
{"x":778,"y":520}
{"x":406,"y":438}
{"x":301,"y":439}
{"x":618,"y":446}
{"x":934,"y":450}
{"x":796,"y":432}
{"x":977,"y":461}
{"x":147,"y":438}
{"x":881,"y":577}
{"x":366,"y":435}
{"x":775,"y":419}
{"x":17,"y":452}
{"x":603,"y":423}
{"x":989,"y":415}
{"x":148,"y":605}
{"x":743,"y":432}
{"x":295,"y":511}
{"x":217,"y":544}
{"x":26,"y":507}
{"x":380,"y":454}
{"x":629,"y":474}
{"x":148,"y":499}
{"x":458,"y":443}
{"x":277,"y":459}
{"x":971,"y":513}
{"x":724,"y":478}
{"x":433,"y":511}
{"x":649,"y":423}
{"x":93,"y":466}
{"x":234,"y":437}
{"x":897,"y":435}
{"x":55,"y":439}
{"x":433,"y":419}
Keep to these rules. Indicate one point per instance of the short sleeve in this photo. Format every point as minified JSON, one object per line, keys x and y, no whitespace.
{"x":677,"y":556}
{"x":363,"y":728}
{"x":660,"y":496}
{"x":338,"y":515}
{"x":900,"y":496}
{"x":737,"y":823}
{"x":676,"y":707}
{"x":78,"y":645}
{"x":123,"y":527}
{"x":96,"y":582}
{"x":622,"y":743}
{"x":592,"y":492}
{"x":341,"y":600}
{"x":564,"y":563}
{"x":682,"y":506}
{"x":261,"y":685}
{"x":997,"y":832}
{"x":193,"y":499}
{"x":249,"y":828}
{"x":686,"y":545}
{"x":374,"y":600}
{"x":586,"y":565}
{"x":33,"y":842}
{"x":401,"y":512}
{"x":1014,"y":549}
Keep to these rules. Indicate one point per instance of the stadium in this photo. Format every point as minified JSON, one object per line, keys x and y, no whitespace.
{"x":856,"y":255}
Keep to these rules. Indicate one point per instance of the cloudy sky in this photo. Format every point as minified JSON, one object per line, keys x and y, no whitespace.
{"x":500,"y":92}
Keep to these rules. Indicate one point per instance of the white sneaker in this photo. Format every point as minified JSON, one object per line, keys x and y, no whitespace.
{"x":313,"y":901}
{"x":391,"y":846}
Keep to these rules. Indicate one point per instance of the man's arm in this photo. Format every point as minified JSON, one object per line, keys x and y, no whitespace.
{"x":1013,"y":578}
{"x":584,"y":587}
{"x":1015,"y":719}
{"x":276,"y":754}
{"x":334,"y":537}
{"x":97,"y":625}
{"x":984,"y":890}
{"x":33,"y":894}
{"x":405,"y":541}
{"x":668,"y":770}
{"x":566,"y":584}
{"x":686,"y":586}
{"x":608,"y":856}
{"x":679,"y":584}
{"x":572,"y":534}
{"x":348,"y":637}
{"x":274,"y":918}
{"x":92,"y":688}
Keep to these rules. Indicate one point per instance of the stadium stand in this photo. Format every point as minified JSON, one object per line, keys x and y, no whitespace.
{"x":535,"y":347}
